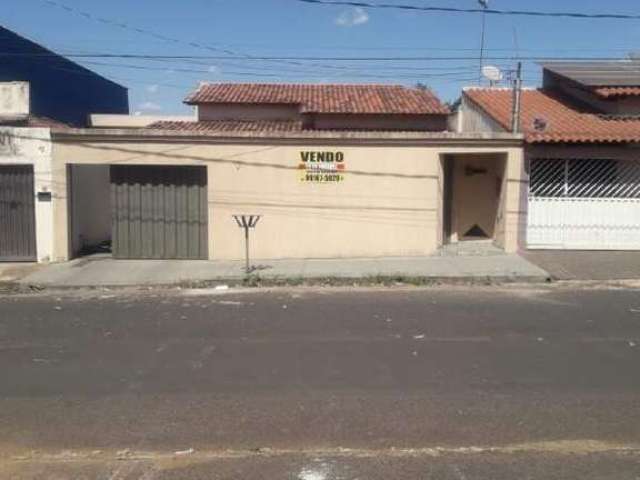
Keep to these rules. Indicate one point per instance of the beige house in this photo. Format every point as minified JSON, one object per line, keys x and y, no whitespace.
{"x":334,"y":171}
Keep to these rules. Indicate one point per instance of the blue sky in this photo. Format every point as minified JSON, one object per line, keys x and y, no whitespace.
{"x":291,"y":28}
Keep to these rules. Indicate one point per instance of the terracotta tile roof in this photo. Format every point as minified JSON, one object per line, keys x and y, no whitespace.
{"x":611,"y":92}
{"x":325,"y":98}
{"x":556,"y":120}
{"x":229,"y":126}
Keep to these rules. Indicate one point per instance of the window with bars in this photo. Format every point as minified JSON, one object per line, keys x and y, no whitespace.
{"x":584,"y":178}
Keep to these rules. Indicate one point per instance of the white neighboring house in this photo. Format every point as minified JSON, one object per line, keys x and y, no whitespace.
{"x":26,"y":178}
{"x":582,"y":139}
{"x":26,"y":225}
{"x":102,"y":120}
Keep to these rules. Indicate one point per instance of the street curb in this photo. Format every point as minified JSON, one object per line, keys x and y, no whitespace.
{"x":610,"y":283}
{"x":8,"y":287}
{"x":257,"y":281}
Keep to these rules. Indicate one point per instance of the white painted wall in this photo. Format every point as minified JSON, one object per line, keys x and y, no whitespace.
{"x":14,"y":99}
{"x":32,"y":146}
{"x":107,"y":120}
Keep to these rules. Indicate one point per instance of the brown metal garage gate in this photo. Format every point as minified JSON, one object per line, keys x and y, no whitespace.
{"x":159,"y":212}
{"x":17,"y":214}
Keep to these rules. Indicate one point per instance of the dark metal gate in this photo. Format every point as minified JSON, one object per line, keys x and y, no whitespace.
{"x":17,"y":214}
{"x":159,"y":212}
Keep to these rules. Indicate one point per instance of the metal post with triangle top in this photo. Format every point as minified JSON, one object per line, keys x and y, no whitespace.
{"x":247,"y":222}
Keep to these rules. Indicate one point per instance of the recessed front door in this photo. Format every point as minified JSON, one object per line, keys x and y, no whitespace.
{"x":477,"y":184}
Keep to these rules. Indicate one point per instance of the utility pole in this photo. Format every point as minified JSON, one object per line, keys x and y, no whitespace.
{"x":484,"y":4}
{"x":517,"y":100}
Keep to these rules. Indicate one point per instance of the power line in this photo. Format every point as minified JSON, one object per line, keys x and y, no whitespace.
{"x":160,"y":36}
{"x":457,"y":74}
{"x":317,"y":58}
{"x":126,"y":26}
{"x":461,"y":75}
{"x":528,"y":13}
{"x":387,"y":72}
{"x":229,"y":54}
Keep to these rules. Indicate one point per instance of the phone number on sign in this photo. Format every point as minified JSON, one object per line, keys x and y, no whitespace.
{"x":322,"y":177}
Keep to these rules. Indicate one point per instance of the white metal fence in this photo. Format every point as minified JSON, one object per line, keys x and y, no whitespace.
{"x":584,"y":204}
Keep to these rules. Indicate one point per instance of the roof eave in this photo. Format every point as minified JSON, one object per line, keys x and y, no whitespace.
{"x":84,"y":134}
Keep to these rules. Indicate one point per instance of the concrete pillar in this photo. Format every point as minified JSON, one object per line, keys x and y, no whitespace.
{"x":61,"y":246}
{"x":516,"y":202}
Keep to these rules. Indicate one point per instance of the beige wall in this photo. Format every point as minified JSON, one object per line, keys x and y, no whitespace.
{"x":387,"y":205}
{"x":322,"y":121}
{"x":433,"y":123}
{"x":515,"y":202}
{"x":234,"y":111}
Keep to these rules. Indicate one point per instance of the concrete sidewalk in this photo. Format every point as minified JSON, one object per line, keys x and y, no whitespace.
{"x":104,"y":271}
{"x":587,"y":265}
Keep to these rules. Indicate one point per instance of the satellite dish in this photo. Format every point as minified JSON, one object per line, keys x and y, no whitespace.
{"x":491,"y":73}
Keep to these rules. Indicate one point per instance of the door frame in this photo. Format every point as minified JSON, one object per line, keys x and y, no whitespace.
{"x":447,"y":198}
{"x":449,"y":208}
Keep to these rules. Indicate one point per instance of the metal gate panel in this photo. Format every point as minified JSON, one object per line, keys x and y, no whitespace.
{"x":17,"y":214}
{"x":159,"y":212}
{"x":584,"y":223}
{"x":589,"y":204}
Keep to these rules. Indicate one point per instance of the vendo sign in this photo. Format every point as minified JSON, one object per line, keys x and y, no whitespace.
{"x":322,"y":166}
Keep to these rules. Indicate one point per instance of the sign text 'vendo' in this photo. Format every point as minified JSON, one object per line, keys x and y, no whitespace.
{"x":322,"y":166}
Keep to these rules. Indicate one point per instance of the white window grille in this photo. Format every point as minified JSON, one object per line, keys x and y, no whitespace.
{"x":584,"y":178}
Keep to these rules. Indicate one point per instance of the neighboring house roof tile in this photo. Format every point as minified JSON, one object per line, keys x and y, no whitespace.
{"x":325,"y":98}
{"x":612,"y":92}
{"x":229,"y":126}
{"x":546,"y":118}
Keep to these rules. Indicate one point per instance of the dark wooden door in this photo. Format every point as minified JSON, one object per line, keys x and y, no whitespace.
{"x":17,"y":214}
{"x":159,"y":212}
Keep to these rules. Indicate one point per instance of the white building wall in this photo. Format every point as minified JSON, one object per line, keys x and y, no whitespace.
{"x":14,"y":99}
{"x":32,"y":146}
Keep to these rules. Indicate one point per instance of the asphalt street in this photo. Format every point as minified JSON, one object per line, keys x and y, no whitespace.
{"x":321,"y":384}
